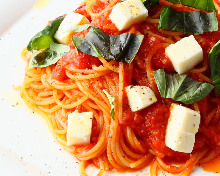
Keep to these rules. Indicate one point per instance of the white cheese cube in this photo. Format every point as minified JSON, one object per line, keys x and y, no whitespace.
{"x":63,"y":35}
{"x":140,"y":97}
{"x":179,"y":141}
{"x":79,"y":128}
{"x":129,"y":12}
{"x":185,"y":54}
{"x":184,"y":119}
{"x":182,"y":126}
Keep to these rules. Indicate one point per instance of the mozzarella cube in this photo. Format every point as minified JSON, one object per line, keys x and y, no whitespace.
{"x":140,"y":97}
{"x":126,"y":13}
{"x":184,"y":119}
{"x":179,"y":141}
{"x":79,"y":128}
{"x":182,"y":126}
{"x":185,"y":54}
{"x":63,"y":34}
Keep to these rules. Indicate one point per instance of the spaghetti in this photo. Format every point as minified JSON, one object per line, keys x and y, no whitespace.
{"x":132,"y":140}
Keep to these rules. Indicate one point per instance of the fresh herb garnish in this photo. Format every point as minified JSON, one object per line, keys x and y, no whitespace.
{"x":121,"y":48}
{"x":49,"y":56}
{"x":44,"y":38}
{"x":206,"y":5}
{"x":214,"y":58}
{"x":181,"y":87}
{"x":150,"y":3}
{"x":111,"y":100}
{"x":80,"y":28}
{"x":195,"y":22}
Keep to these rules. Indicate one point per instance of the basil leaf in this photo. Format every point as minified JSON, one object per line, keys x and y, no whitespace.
{"x":181,"y":87}
{"x":206,"y":5}
{"x":49,"y":56}
{"x":111,"y":100}
{"x":150,"y":3}
{"x":80,"y":28}
{"x":121,"y":48}
{"x":214,"y":58}
{"x":44,"y":38}
{"x":77,"y":42}
{"x":195,"y":22}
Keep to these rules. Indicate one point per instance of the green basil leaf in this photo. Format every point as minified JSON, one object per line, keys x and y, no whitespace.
{"x":206,"y":5}
{"x":181,"y":87}
{"x":80,"y":28}
{"x":49,"y":56}
{"x":111,"y":100}
{"x":150,"y":3}
{"x":214,"y":59}
{"x":121,"y":48}
{"x":44,"y":38}
{"x":77,"y":42}
{"x":195,"y":22}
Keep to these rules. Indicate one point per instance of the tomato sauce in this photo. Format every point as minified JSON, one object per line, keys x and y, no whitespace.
{"x":217,"y":1}
{"x":213,"y":165}
{"x":103,"y":21}
{"x":98,"y":6}
{"x":82,"y":10}
{"x":74,"y":59}
{"x":150,"y":123}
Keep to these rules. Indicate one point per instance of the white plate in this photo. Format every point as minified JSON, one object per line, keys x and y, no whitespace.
{"x":26,"y":146}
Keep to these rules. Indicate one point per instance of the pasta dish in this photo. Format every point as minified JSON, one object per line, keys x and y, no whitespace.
{"x":128,"y":84}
